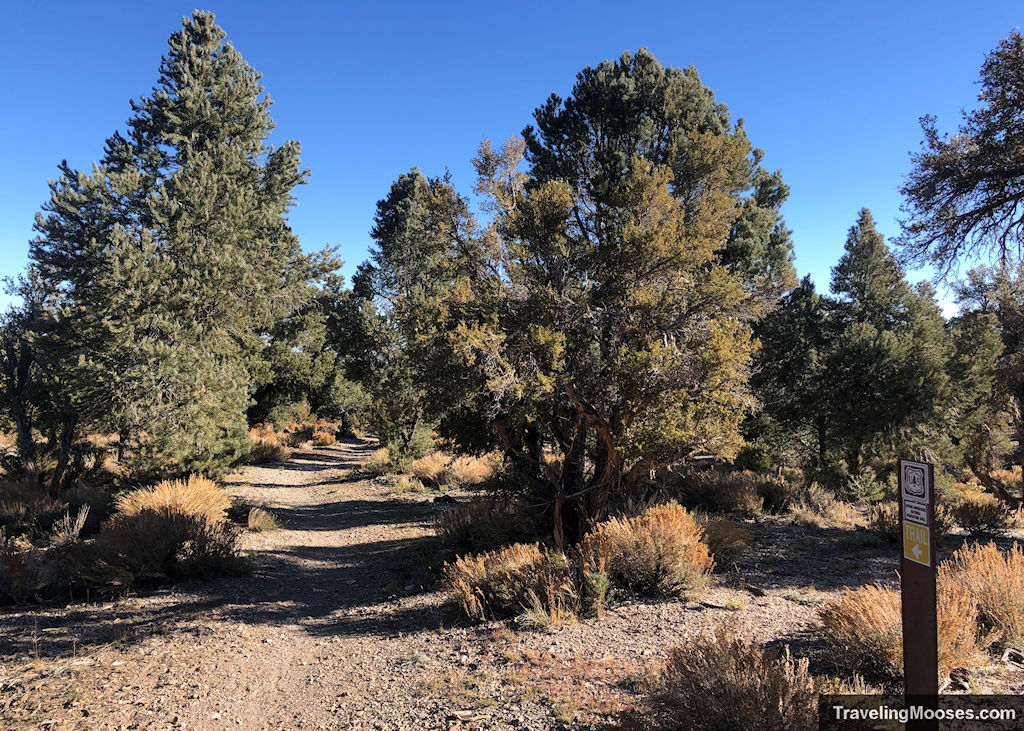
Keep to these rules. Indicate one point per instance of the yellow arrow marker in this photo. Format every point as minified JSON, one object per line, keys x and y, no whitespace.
{"x":917,"y":544}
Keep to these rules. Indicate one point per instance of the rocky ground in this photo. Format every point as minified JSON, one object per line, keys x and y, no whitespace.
{"x":339,"y":626}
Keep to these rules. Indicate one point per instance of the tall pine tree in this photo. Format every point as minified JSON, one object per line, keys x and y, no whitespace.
{"x":170,"y":259}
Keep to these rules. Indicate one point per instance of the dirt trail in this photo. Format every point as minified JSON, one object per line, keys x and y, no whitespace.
{"x":339,"y":627}
{"x":281,"y":648}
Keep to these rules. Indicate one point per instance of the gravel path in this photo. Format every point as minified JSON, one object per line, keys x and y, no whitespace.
{"x":338,"y":626}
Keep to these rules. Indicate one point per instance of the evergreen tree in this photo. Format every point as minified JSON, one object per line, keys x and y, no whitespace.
{"x":965,"y":194}
{"x":420,"y":231}
{"x":170,"y":260}
{"x":604,"y":335}
{"x":861,"y":375}
{"x":790,"y":378}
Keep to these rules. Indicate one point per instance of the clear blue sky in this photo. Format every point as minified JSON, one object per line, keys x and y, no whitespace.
{"x":831,"y":91}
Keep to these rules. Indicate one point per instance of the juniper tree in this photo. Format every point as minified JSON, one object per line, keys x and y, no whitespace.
{"x":173,"y":255}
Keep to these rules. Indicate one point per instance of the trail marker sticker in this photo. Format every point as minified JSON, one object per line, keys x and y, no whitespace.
{"x":917,"y":544}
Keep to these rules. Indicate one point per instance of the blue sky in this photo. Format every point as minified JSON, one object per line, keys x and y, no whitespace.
{"x":831,"y":91}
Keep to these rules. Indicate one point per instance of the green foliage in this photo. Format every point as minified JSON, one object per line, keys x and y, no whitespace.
{"x":878,"y":338}
{"x":965,"y":194}
{"x":168,"y":273}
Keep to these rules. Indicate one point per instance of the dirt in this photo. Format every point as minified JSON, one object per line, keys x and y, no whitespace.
{"x":340,"y":625}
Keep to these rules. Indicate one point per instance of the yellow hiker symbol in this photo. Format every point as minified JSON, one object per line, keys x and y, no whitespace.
{"x":917,"y":544}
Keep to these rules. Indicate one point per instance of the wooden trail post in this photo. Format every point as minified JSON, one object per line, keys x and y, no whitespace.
{"x":917,"y":578}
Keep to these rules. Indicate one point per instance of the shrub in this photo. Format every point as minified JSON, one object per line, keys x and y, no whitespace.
{"x":265,"y":451}
{"x":1009,"y":480}
{"x":777,"y":492}
{"x":725,"y":539}
{"x":432,"y":468}
{"x":261,"y":520}
{"x":729,"y":492}
{"x":864,"y":487}
{"x":658,"y":552}
{"x":865,"y":631}
{"x":28,"y":509}
{"x":981,"y":513}
{"x":483,"y":524}
{"x":996,"y":582}
{"x":510,"y":580}
{"x":470,"y":471}
{"x":67,"y":530}
{"x":819,"y":507}
{"x":884,"y":518}
{"x":378,"y":463}
{"x":720,"y":681}
{"x":322,"y":438}
{"x":30,"y":573}
{"x":154,"y":544}
{"x":196,"y":496}
{"x":98,"y":499}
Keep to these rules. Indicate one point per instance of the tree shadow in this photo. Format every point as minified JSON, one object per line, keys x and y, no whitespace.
{"x":356,"y":589}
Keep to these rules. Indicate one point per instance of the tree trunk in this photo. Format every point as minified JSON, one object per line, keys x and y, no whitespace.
{"x":67,"y":439}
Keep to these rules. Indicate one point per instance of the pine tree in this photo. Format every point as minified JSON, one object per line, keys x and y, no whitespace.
{"x":173,"y":256}
{"x":863,"y":374}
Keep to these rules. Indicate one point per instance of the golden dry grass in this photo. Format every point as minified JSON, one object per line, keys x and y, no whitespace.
{"x":378,"y":463}
{"x":440,"y":468}
{"x":432,"y":467}
{"x":268,"y":446}
{"x":511,"y":581}
{"x":658,"y":552}
{"x":197,"y":496}
{"x":864,"y":628}
{"x":726,"y":539}
{"x":996,"y":582}
{"x":721,"y":680}
{"x":324,"y":438}
{"x":260,"y":520}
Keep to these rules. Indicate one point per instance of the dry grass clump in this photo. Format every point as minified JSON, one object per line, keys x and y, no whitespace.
{"x":378,"y":463}
{"x":723,"y":681}
{"x":268,"y":452}
{"x":323,"y":438}
{"x":469,"y":471}
{"x":439,"y":468}
{"x":268,"y":446}
{"x":509,"y":581}
{"x":483,"y":524}
{"x":981,"y":513}
{"x":864,"y":629}
{"x":261,"y":521}
{"x":152,"y":544}
{"x":996,"y":582}
{"x":884,"y":518}
{"x":725,"y":539}
{"x":196,"y":496}
{"x":658,"y":552}
{"x":819,"y":507}
{"x":431,"y":468}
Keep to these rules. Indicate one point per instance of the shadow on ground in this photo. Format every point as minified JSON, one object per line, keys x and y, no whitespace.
{"x":344,"y":590}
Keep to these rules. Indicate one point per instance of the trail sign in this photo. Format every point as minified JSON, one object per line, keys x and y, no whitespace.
{"x":917,"y":546}
{"x":917,"y":578}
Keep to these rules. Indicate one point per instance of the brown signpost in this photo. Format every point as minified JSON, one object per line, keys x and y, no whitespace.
{"x":917,"y":578}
